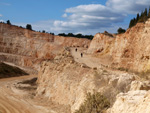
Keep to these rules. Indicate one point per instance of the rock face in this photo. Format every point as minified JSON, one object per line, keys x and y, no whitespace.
{"x":130,"y":50}
{"x":66,"y":82}
{"x":26,"y":48}
{"x":132,"y":102}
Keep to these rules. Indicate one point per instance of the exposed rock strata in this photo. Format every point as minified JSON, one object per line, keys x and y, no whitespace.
{"x":132,"y":102}
{"x":26,"y":48}
{"x":130,"y":50}
{"x":66,"y":82}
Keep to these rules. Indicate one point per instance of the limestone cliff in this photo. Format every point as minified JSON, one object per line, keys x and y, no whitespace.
{"x":130,"y":50}
{"x":134,"y":101}
{"x":26,"y":48}
{"x":66,"y":82}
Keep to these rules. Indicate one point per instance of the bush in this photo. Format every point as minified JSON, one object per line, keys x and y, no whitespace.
{"x":28,"y":26}
{"x":8,"y":22}
{"x":94,"y":103}
{"x":120,"y":30}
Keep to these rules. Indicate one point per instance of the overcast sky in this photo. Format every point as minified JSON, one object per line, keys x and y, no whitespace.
{"x":75,"y":16}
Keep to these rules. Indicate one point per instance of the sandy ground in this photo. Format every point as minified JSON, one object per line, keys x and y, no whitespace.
{"x":86,"y":58}
{"x":13,"y":100}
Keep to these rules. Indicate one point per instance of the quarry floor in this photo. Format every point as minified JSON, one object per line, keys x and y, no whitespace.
{"x":16,"y":98}
{"x":13,"y":100}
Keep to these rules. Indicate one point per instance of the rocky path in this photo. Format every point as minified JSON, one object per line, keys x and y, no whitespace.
{"x":86,"y":58}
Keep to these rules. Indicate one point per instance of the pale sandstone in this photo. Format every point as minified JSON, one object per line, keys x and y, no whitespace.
{"x":132,"y":102}
{"x":140,"y":85}
{"x":130,"y":50}
{"x":28,"y":48}
{"x":67,"y":83}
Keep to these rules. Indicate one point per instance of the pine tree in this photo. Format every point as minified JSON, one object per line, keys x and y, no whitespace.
{"x":137,"y":17}
{"x":145,"y":12}
{"x":131,"y":23}
{"x":140,"y":18}
{"x":145,"y":15}
{"x":149,"y":13}
{"x":8,"y":22}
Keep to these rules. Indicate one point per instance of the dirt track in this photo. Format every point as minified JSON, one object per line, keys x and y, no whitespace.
{"x":13,"y":102}
{"x":87,"y":59}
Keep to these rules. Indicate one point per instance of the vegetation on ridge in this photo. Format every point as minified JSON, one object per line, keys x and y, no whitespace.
{"x":94,"y":103}
{"x":120,"y":30}
{"x":77,"y":35}
{"x":140,"y":18}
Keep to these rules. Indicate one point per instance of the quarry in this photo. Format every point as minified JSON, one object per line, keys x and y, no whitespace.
{"x":47,"y":73}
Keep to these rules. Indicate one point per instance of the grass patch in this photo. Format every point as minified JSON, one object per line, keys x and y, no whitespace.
{"x":94,"y":103}
{"x":10,"y":71}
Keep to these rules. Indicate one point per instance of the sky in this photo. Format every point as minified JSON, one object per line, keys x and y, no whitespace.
{"x":72,"y":16}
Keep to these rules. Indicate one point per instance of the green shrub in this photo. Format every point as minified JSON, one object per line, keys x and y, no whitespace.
{"x":94,"y":103}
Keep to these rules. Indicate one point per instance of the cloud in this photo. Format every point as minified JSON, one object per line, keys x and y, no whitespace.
{"x":128,"y":6}
{"x":97,"y":17}
{"x":1,"y":15}
{"x":84,"y":18}
{"x":64,"y":15}
{"x":1,"y":20}
{"x":93,"y":18}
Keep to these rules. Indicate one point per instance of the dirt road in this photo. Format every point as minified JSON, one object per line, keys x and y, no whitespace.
{"x":13,"y":101}
{"x":85,"y":58}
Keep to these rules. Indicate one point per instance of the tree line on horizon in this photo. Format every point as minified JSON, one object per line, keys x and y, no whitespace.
{"x":76,"y":35}
{"x":140,"y":18}
{"x":29,"y":27}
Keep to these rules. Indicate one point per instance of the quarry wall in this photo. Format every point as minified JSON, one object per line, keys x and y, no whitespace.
{"x":28,"y":48}
{"x":130,"y":50}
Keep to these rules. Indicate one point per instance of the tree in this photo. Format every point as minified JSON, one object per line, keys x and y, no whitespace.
{"x":28,"y":26}
{"x":137,"y":17}
{"x":120,"y":30}
{"x":62,"y":34}
{"x":145,"y":15}
{"x":149,"y":13}
{"x":140,"y":18}
{"x":145,"y":12}
{"x":79,"y":35}
{"x":71,"y":34}
{"x":43,"y":31}
{"x":8,"y":22}
{"x":131,"y":23}
{"x":52,"y":33}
